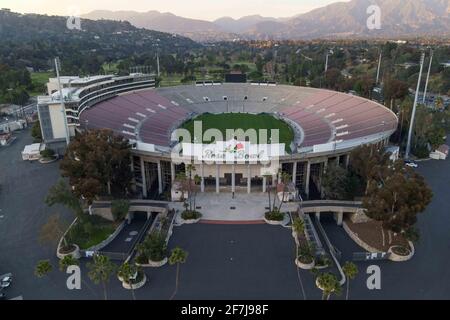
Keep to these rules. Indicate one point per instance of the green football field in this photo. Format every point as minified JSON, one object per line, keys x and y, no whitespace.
{"x":243,"y":121}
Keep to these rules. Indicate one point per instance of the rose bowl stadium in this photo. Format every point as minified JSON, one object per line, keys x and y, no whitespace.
{"x":307,"y":129}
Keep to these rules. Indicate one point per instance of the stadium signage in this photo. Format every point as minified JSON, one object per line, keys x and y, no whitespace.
{"x":233,"y":151}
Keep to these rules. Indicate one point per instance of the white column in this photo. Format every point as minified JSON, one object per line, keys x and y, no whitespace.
{"x":325,"y":167}
{"x":160,"y":185}
{"x":264,"y":186}
{"x":339,"y":217}
{"x":274,"y":180}
{"x":217,"y":179}
{"x":308,"y":175}
{"x":144,"y":182}
{"x":172,"y":172}
{"x":347,"y":161}
{"x":233,"y":179}
{"x":202,"y":186}
{"x":249,"y":179}
{"x":294,"y":173}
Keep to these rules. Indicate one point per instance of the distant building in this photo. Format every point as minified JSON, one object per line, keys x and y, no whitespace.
{"x":32,"y":152}
{"x":394,"y":152}
{"x":408,"y":65}
{"x":5,"y":139}
{"x":440,"y":153}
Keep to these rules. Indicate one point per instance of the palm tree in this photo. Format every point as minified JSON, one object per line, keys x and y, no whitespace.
{"x":128,"y":272}
{"x":197,"y":181}
{"x":329,"y":284}
{"x":285,"y":179}
{"x":439,"y":103}
{"x":298,"y":225}
{"x":43,"y":268}
{"x":267,"y":176}
{"x":177,"y":256}
{"x":68,"y":261}
{"x":100,"y":271}
{"x":350,"y":270}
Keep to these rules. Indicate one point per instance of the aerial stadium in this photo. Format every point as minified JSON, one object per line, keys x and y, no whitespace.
{"x":314,"y":128}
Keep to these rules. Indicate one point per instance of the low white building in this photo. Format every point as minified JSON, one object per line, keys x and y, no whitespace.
{"x":440,"y":153}
{"x":32,"y":152}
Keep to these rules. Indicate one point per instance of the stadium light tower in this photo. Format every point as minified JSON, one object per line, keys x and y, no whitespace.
{"x":157,"y":62}
{"x":379,"y":67}
{"x":428,"y":77}
{"x":411,"y":125}
{"x":61,"y":97}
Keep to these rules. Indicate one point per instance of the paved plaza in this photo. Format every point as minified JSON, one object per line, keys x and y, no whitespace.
{"x":243,"y":207}
{"x":225,"y":261}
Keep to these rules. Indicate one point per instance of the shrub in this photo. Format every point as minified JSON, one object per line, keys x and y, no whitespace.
{"x":305,"y":254}
{"x":119,"y":209}
{"x":298,"y":225}
{"x":412,"y":234}
{"x":191,"y":215}
{"x":48,"y":153}
{"x":323,"y":261}
{"x":274,"y":216}
{"x":401,"y":251}
{"x":157,"y":248}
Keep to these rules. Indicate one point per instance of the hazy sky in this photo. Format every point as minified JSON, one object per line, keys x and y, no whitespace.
{"x":199,"y":9}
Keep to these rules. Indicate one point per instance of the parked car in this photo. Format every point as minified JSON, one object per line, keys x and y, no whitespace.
{"x":411,"y":164}
{"x":5,"y":280}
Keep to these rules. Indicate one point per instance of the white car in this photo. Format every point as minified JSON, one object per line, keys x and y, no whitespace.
{"x":411,"y":164}
{"x":5,"y":280}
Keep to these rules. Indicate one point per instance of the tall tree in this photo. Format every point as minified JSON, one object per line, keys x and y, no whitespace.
{"x":177,"y":256}
{"x":128,"y":272}
{"x":53,"y":230}
{"x":100,"y":271}
{"x":367,"y":161}
{"x":329,"y":284}
{"x":97,"y":163}
{"x":60,"y":193}
{"x":286,"y":178}
{"x":350,"y":271}
{"x":335,"y":183}
{"x":396,"y":196}
{"x":68,"y":261}
{"x":43,"y":268}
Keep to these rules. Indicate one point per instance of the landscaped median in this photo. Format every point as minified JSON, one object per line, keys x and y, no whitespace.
{"x":305,"y":257}
{"x":89,"y":233}
{"x":152,"y":252}
{"x":189,"y":217}
{"x":276,"y":218}
{"x":372,"y":237}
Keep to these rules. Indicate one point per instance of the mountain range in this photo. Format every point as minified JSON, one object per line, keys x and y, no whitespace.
{"x":399,"y":18}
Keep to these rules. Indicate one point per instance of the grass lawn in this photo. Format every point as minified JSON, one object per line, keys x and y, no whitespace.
{"x":91,"y":231}
{"x":39,"y":80}
{"x":243,"y":121}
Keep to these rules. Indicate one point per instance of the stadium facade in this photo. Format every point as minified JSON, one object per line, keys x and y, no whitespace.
{"x":327,"y":126}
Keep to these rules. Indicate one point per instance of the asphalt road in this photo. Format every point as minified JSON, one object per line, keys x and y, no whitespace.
{"x":225,"y":261}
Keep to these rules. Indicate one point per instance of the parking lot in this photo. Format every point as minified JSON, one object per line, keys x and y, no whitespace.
{"x":225,"y":261}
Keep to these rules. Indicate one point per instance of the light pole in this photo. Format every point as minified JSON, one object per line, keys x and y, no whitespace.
{"x":428,"y":77}
{"x":411,"y":125}
{"x":226,"y":99}
{"x":379,"y":67}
